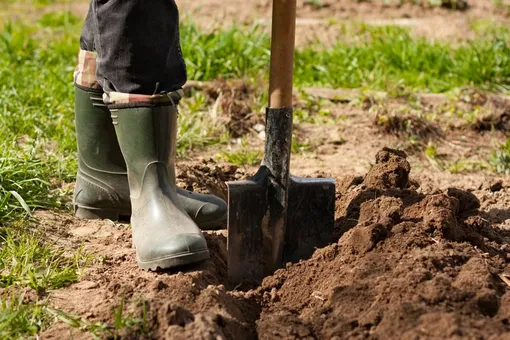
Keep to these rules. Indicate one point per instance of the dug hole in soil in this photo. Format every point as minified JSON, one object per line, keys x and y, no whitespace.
{"x":405,"y":265}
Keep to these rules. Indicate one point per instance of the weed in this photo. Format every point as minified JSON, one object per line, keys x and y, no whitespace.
{"x":313,"y":111}
{"x":405,"y":122}
{"x":431,"y":151}
{"x":500,"y":158}
{"x":299,"y":146}
{"x":242,"y":157}
{"x":199,"y":129}
{"x":316,"y":4}
{"x":466,"y":166}
{"x":122,"y":322}
{"x":19,"y":319}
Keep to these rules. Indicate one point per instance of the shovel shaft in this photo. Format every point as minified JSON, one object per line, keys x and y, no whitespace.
{"x":278,"y":132}
{"x":282,"y":53}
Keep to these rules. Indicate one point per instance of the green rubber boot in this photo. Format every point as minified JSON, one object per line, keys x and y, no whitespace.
{"x":102,"y":189}
{"x":163,"y":233}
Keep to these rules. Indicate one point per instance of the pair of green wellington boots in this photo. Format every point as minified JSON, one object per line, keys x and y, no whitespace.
{"x":128,"y":169}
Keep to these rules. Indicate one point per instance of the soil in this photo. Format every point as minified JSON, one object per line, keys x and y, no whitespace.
{"x":317,"y":21}
{"x":403,"y":264}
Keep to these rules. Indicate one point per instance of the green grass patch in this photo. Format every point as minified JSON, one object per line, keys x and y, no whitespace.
{"x":386,"y":56}
{"x":28,"y":261}
{"x":500,"y":159}
{"x":467,"y":166}
{"x":19,"y":319}
{"x":243,"y":156}
{"x":29,"y":264}
{"x":37,"y":154}
{"x":377,"y":57}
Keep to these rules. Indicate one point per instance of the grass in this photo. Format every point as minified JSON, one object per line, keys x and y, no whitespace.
{"x":466,"y":166}
{"x":503,"y":6}
{"x":37,"y":154}
{"x":386,"y":56}
{"x":379,"y":57}
{"x":28,"y":263}
{"x":122,"y":323}
{"x":500,"y":158}
{"x":242,"y":157}
{"x":37,"y":143}
{"x":19,"y":319}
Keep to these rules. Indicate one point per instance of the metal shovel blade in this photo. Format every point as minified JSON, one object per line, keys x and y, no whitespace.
{"x":310,"y":217}
{"x":247,"y":211}
{"x":254,"y":250}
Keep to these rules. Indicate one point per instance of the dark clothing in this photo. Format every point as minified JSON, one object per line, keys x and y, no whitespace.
{"x":137,"y":45}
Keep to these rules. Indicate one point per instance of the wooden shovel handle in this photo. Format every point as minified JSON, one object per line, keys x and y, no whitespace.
{"x":282,"y":53}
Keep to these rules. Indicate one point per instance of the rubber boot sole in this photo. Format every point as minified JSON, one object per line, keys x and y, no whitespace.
{"x":174,"y":261}
{"x":91,"y":213}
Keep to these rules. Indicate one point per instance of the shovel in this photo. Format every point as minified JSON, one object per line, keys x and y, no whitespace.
{"x":274,"y":217}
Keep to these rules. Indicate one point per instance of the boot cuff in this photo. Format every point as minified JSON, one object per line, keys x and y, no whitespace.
{"x":118,"y":100}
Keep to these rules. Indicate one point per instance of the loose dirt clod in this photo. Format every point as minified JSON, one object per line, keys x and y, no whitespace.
{"x":406,"y":265}
{"x":391,"y":170}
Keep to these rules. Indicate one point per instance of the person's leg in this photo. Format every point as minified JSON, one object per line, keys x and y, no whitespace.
{"x":102,"y":186}
{"x":138,"y":45}
{"x":101,"y":189}
{"x":141,"y":70}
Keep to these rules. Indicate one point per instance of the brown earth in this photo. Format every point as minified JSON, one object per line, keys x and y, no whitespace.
{"x":345,"y":128}
{"x":404,"y":264}
{"x":321,"y":20}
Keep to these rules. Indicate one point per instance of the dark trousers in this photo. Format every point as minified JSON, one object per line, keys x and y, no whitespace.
{"x":137,"y":45}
